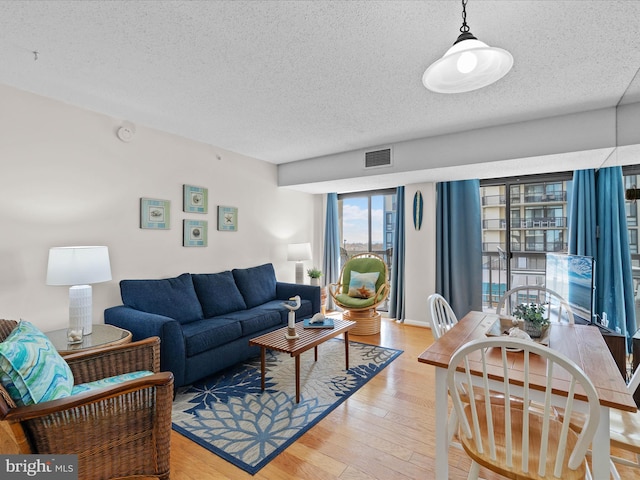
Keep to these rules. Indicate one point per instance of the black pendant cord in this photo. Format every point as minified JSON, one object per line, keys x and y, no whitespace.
{"x":466,"y":34}
{"x":464,"y":28}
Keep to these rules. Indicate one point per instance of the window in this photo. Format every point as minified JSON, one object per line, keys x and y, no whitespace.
{"x":633,"y":241}
{"x":367,"y":223}
{"x":631,"y":176}
{"x":536,"y":224}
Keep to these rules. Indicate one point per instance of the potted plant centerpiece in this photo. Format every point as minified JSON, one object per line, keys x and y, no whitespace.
{"x":532,"y":316}
{"x":314,"y":274}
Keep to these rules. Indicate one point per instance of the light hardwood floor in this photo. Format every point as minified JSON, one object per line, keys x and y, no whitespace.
{"x":383,"y":431}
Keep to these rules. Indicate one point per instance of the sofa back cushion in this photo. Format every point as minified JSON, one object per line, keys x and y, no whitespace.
{"x":172,"y":297}
{"x":256,"y":284}
{"x":218,"y":293}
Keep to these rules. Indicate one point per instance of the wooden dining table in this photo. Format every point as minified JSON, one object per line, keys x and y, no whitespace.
{"x":583,"y":344}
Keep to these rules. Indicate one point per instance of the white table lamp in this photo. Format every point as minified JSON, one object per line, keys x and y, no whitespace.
{"x":298,"y":252}
{"x":78,"y":267}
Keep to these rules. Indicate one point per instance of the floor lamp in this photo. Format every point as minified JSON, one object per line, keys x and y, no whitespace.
{"x":298,"y":252}
{"x":78,"y":267}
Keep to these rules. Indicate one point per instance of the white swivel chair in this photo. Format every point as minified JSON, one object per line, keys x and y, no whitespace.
{"x":557,"y":308}
{"x":511,"y":438}
{"x":441,"y":316}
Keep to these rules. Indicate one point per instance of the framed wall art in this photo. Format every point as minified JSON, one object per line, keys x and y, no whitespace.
{"x":195,"y":233}
{"x":196,"y":199}
{"x":227,"y":219}
{"x":155,"y":213}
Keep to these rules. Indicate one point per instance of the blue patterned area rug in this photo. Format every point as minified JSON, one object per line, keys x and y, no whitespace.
{"x":229,"y":415}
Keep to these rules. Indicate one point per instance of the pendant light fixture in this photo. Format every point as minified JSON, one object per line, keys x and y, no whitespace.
{"x":468,"y":65}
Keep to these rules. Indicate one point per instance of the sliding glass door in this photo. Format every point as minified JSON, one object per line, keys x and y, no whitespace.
{"x":367,"y":223}
{"x":632,"y":182}
{"x":519,"y":228}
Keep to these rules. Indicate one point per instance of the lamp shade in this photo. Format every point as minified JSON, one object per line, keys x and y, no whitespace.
{"x":78,"y":265}
{"x":299,"y":251}
{"x":468,"y":65}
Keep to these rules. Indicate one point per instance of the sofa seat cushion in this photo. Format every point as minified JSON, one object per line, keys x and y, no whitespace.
{"x":256,"y":284}
{"x":305,"y":310}
{"x":109,"y":381}
{"x":31,"y":370}
{"x":171,"y":297}
{"x":254,"y":320}
{"x":209,"y":333}
{"x":218,"y":293}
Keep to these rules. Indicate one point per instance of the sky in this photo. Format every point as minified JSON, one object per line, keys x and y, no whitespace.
{"x":355,"y":220}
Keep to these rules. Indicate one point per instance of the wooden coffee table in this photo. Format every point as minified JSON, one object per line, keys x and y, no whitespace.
{"x":309,"y":338}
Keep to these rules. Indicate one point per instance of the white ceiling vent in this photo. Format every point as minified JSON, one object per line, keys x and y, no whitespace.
{"x":377,"y":158}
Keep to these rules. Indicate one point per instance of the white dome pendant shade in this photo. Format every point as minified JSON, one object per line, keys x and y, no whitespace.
{"x":468,"y":65}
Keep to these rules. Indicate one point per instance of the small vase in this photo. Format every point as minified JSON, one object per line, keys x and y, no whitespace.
{"x":534,"y":330}
{"x":314,"y":281}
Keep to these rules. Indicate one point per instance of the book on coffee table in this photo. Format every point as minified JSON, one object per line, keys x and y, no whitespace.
{"x":324,"y":323}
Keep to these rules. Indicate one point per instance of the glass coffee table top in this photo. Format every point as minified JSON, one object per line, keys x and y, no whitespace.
{"x":101,"y":336}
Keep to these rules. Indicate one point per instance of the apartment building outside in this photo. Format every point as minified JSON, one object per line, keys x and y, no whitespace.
{"x":537,"y":223}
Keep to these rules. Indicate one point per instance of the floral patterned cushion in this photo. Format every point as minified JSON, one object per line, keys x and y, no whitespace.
{"x":31,"y":370}
{"x":108,"y":382}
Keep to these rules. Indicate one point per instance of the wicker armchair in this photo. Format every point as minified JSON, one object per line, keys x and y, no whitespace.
{"x":361,"y":310}
{"x":118,"y":431}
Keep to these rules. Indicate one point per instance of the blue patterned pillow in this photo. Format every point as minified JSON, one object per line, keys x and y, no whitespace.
{"x":31,"y":370}
{"x":108,"y":382}
{"x":362,"y":285}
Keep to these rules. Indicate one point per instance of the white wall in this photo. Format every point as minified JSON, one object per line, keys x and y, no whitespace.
{"x":66,"y":179}
{"x":420,"y":252}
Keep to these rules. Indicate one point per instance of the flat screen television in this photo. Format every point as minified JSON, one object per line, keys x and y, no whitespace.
{"x":572,"y":277}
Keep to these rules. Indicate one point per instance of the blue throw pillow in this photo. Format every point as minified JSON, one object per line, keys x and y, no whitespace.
{"x":171,"y":297}
{"x":362,"y":285}
{"x":256,"y":284}
{"x":31,"y":370}
{"x":218,"y":293}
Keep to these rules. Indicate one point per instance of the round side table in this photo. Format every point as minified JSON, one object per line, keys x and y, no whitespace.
{"x":102,"y":336}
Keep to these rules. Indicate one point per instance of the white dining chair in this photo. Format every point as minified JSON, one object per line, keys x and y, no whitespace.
{"x":557,"y":308}
{"x":441,"y":319}
{"x":441,"y":316}
{"x":511,"y":438}
{"x":625,"y":431}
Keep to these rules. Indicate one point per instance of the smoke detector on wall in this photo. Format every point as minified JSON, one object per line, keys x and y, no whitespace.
{"x":126,"y":132}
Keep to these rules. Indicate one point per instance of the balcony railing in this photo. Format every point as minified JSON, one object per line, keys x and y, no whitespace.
{"x":494,"y":224}
{"x":527,"y":247}
{"x":491,"y":247}
{"x":560,"y":196}
{"x":541,"y":222}
{"x":490,"y":200}
{"x":540,"y":247}
{"x":494,"y":275}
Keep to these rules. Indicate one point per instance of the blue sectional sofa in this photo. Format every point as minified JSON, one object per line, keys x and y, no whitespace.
{"x":205,"y":321}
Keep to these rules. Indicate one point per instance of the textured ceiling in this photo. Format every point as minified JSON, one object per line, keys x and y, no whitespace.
{"x":288,"y":80}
